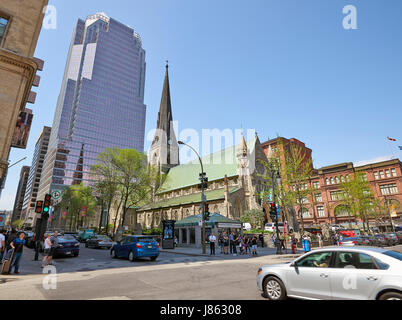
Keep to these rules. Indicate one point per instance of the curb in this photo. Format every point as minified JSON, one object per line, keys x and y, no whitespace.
{"x":185,"y":253}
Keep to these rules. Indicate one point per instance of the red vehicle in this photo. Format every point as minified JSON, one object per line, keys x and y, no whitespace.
{"x":347,"y":233}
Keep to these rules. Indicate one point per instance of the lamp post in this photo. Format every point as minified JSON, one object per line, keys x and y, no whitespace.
{"x":387,"y":202}
{"x":203,"y":199}
{"x":275,"y":177}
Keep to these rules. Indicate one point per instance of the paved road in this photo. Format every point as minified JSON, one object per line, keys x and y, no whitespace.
{"x":172,"y":277}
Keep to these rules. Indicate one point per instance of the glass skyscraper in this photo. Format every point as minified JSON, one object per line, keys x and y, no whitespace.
{"x":101,"y":102}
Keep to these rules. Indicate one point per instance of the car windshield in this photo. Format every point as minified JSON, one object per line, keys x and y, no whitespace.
{"x":145,"y":239}
{"x":393,"y":254}
{"x":103,"y":237}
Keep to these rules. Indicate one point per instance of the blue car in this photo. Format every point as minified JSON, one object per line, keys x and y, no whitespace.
{"x":68,"y":245}
{"x":133,"y":247}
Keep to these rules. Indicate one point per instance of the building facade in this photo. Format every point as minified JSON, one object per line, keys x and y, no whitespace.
{"x":20,"y":25}
{"x":19,"y":197}
{"x":233,"y":173}
{"x":28,"y":207}
{"x":101,"y":102}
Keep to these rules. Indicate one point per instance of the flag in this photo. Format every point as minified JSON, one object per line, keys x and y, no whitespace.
{"x":390,"y":139}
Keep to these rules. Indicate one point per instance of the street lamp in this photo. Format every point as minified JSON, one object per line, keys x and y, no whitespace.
{"x":203,"y":199}
{"x":275,"y":178}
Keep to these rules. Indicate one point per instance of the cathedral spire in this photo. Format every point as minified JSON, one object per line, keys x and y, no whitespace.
{"x":165,"y":110}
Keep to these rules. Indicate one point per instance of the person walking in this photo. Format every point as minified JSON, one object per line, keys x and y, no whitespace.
{"x":254,"y":245}
{"x":273,"y":240}
{"x":47,"y":250}
{"x":232,"y":243}
{"x":55,"y":242}
{"x":220,"y":242}
{"x":247,"y":243}
{"x":10,"y":237}
{"x":294,"y":244}
{"x":320,"y":242}
{"x":2,"y":244}
{"x":212,"y":241}
{"x":18,"y":246}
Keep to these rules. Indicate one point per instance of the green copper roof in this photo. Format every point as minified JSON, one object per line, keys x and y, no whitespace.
{"x":189,"y":199}
{"x":214,"y":218}
{"x":216,"y":166}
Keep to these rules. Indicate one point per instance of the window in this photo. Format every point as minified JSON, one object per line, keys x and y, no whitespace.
{"x":387,"y":173}
{"x":332,"y":180}
{"x":354,"y":260}
{"x":3,"y":27}
{"x":316,"y":185}
{"x":342,"y":179}
{"x":320,"y":211}
{"x":327,"y":181}
{"x":389,"y":189}
{"x":315,"y":260}
{"x":382,"y":174}
{"x":318,"y":197}
{"x":336,"y":179}
{"x":393,"y":171}
{"x":375,"y":175}
{"x":336,"y":195}
{"x":347,"y":177}
{"x":306,"y":213}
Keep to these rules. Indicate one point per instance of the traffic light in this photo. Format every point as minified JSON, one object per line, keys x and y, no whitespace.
{"x":46,"y":204}
{"x":39,"y":206}
{"x":272,"y":211}
{"x":207,"y":213}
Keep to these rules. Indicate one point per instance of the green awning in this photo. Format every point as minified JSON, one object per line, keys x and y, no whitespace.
{"x":214,"y":219}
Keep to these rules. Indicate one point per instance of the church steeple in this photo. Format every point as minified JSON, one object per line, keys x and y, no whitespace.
{"x":164,"y":151}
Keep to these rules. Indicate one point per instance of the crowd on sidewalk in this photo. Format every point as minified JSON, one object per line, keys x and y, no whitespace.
{"x":12,"y":247}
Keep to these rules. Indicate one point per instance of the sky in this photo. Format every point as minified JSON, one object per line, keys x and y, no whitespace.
{"x":281,"y":67}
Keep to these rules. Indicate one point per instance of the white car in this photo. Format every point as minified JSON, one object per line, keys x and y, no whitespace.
{"x":335,"y":273}
{"x":271,"y":227}
{"x":246,"y":226}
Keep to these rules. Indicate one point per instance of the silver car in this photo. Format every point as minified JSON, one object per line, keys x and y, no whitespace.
{"x":362,"y":273}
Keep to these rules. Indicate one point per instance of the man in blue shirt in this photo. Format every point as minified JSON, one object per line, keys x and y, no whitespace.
{"x":18,"y":246}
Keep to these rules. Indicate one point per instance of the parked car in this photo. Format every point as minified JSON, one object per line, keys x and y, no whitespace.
{"x":399,"y":235}
{"x":374,"y":273}
{"x":68,"y":245}
{"x":392,"y":238}
{"x":99,"y":241}
{"x":271,"y":227}
{"x":83,"y":235}
{"x":73,"y":234}
{"x":246,"y":226}
{"x":352,"y":241}
{"x":382,"y":240}
{"x":133,"y":247}
{"x":367,"y":241}
{"x":29,"y":239}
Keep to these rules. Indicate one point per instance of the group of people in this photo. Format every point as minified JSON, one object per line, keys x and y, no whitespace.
{"x":233,"y":243}
{"x":12,"y":246}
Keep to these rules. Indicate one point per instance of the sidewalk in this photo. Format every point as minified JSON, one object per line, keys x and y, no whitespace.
{"x":193,"y":251}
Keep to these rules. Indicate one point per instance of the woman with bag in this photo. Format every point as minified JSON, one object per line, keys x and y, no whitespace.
{"x":47,"y":250}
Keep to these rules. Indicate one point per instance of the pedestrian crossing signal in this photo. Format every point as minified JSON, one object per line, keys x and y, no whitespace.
{"x":207,"y":213}
{"x":46,"y":204}
{"x":39,"y":206}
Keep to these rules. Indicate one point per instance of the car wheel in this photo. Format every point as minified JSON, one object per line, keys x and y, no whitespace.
{"x":274,"y":289}
{"x":76,"y":254}
{"x":153,"y":258}
{"x":113,"y":254}
{"x":131,"y":256}
{"x":391,"y":296}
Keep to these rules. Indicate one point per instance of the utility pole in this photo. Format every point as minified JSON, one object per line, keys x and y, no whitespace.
{"x":204,"y":182}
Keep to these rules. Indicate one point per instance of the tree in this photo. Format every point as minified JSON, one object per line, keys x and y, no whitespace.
{"x":105,"y":177}
{"x":254,"y":217}
{"x":74,"y":198}
{"x":18,"y":223}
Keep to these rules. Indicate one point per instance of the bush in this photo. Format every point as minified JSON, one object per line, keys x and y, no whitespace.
{"x":153,"y":231}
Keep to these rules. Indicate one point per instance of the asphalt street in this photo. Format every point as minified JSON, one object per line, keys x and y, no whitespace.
{"x":95,"y":275}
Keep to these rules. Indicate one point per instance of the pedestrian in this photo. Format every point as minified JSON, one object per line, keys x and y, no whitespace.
{"x":247,"y":243}
{"x":282,"y":240}
{"x":2,"y":244}
{"x":232,"y":243}
{"x":47,"y":250}
{"x":212,"y":240}
{"x":225,"y":244}
{"x":273,"y":240}
{"x":320,"y":243}
{"x":18,"y":246}
{"x":261,"y":238}
{"x":306,"y":244}
{"x":294,"y":244}
{"x":176,"y":242}
{"x":55,"y":242}
{"x":220,"y":242}
{"x":10,"y":237}
{"x":254,"y":245}
{"x":238,"y":243}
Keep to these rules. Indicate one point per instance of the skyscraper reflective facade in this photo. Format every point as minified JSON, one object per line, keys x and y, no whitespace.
{"x":101,"y":102}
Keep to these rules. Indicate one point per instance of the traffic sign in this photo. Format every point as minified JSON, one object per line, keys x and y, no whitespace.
{"x":56,"y":194}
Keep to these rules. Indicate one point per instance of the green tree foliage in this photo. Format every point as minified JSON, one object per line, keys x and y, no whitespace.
{"x":18,"y":223}
{"x":254,"y":217}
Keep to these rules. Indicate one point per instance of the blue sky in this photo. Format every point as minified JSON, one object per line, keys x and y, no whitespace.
{"x":284,"y":67}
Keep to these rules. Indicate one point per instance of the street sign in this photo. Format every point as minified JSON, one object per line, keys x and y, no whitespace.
{"x":56,"y":194}
{"x":203,"y":198}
